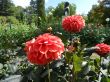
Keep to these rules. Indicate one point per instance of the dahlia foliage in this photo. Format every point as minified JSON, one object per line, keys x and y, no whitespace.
{"x":71,"y":65}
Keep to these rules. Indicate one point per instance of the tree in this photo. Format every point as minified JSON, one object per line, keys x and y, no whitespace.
{"x":19,"y":13}
{"x":96,"y":14}
{"x":33,"y":5}
{"x":106,"y":5}
{"x":41,"y":9}
{"x":49,"y":9}
{"x":72,"y":9}
{"x":5,"y":7}
{"x":99,"y":13}
{"x":59,"y":10}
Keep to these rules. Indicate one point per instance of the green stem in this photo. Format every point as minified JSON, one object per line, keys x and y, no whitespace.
{"x":63,"y":78}
{"x":73,"y":71}
{"x":100,"y":61}
{"x":48,"y":73}
{"x":100,"y":66}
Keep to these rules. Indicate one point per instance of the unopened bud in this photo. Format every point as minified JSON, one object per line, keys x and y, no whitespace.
{"x":49,"y":29}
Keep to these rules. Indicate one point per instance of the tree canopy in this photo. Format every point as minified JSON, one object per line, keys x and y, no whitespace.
{"x":59,"y":10}
{"x":99,"y":13}
{"x":6,"y":7}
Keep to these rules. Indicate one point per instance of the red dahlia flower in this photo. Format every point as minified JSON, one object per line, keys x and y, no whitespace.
{"x":103,"y":50}
{"x":44,"y":49}
{"x":73,"y":23}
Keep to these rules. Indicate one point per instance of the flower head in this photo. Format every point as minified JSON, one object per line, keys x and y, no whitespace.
{"x":73,"y":23}
{"x":44,"y":49}
{"x":103,"y":50}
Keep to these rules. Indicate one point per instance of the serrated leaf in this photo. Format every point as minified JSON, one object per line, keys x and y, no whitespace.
{"x":105,"y":79}
{"x":77,"y":61}
{"x":94,"y":56}
{"x":68,"y":56}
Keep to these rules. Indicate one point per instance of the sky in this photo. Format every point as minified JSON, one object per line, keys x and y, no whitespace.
{"x":83,"y":6}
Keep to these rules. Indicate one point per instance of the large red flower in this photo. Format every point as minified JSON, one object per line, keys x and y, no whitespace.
{"x":44,"y":49}
{"x":103,"y":50}
{"x":73,"y":23}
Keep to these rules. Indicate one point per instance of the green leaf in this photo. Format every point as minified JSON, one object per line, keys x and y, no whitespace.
{"x":77,"y":61}
{"x":105,"y":79}
{"x":68,"y":57}
{"x":108,"y":79}
{"x":94,"y":56}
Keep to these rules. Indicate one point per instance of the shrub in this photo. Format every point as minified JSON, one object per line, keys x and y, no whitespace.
{"x":92,"y":36}
{"x":12,"y":20}
{"x":8,"y":19}
{"x":17,"y":35}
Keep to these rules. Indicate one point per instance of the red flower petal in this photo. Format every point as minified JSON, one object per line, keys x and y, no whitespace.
{"x":73,"y":23}
{"x":103,"y":50}
{"x":44,"y":49}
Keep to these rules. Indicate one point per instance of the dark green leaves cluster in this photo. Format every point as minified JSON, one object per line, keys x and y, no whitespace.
{"x":16,"y":35}
{"x":93,"y":35}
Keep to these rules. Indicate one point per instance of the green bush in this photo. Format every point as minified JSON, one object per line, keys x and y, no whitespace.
{"x":3,"y":20}
{"x":12,"y":20}
{"x":92,"y":36}
{"x":18,"y":34}
{"x":89,"y":35}
{"x":8,"y":19}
